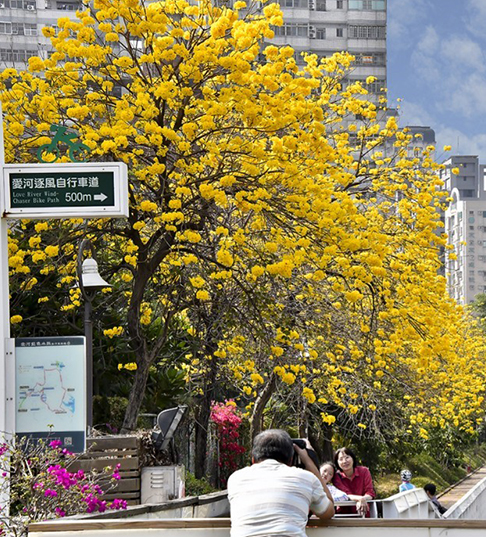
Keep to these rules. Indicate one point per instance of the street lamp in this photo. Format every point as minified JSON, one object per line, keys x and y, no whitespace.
{"x":89,"y":282}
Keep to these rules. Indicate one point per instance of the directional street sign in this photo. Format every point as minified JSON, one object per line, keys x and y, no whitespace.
{"x":95,"y":190}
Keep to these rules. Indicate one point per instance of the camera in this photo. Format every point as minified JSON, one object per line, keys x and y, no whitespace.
{"x":312,"y":454}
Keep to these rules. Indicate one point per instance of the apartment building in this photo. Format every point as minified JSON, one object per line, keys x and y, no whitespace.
{"x":465,"y":224}
{"x":324,"y":27}
{"x":21,"y":23}
{"x":317,"y":26}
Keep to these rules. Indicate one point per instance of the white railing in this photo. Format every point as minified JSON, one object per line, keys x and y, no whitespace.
{"x":412,"y":503}
{"x":215,"y":527}
{"x":472,"y":506}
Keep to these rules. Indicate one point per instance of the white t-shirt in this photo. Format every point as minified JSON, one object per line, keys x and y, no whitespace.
{"x":271,"y":498}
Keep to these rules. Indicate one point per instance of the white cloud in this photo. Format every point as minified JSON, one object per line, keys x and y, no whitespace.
{"x":404,"y":17}
{"x":465,"y":95}
{"x":475,"y":19}
{"x":425,"y":58}
{"x":462,"y":143}
{"x":452,"y":69}
{"x":463,"y":52}
{"x":414,"y":114}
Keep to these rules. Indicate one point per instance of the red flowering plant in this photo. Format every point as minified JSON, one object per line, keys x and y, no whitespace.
{"x":227,"y":420}
{"x":36,"y":477}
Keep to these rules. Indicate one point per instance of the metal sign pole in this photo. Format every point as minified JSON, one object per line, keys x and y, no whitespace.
{"x":6,"y":425}
{"x":4,"y":297}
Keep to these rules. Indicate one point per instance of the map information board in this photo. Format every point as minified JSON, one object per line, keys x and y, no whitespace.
{"x":50,"y":388}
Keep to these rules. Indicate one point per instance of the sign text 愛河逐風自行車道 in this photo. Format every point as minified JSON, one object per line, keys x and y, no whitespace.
{"x":61,"y":189}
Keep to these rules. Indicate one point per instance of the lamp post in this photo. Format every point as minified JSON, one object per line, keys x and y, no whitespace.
{"x":89,"y":282}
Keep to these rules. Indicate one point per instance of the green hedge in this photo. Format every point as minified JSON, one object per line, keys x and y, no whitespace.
{"x":425,"y":469}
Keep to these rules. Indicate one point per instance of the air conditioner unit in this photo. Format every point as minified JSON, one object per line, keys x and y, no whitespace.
{"x":312,"y":5}
{"x":2,"y":6}
{"x":30,"y":8}
{"x":312,"y":32}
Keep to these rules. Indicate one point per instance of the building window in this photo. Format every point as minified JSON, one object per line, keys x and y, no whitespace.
{"x":65,"y":6}
{"x":367,"y":32}
{"x":15,"y":55}
{"x":339,"y":4}
{"x":18,"y":28}
{"x":30,"y":29}
{"x":339,"y":32}
{"x":320,"y":5}
{"x":28,"y":5}
{"x":367,"y":5}
{"x":320,"y":33}
{"x":294,"y":3}
{"x":369,"y":58}
{"x":373,"y":87}
{"x":292,"y":30}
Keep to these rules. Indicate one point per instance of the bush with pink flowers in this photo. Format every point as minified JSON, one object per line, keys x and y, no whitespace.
{"x":227,"y":420}
{"x":36,"y":476}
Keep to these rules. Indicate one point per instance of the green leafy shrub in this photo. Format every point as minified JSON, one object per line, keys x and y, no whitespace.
{"x":197,"y":487}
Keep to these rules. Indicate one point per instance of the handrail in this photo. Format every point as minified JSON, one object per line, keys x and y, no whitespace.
{"x":194,"y":523}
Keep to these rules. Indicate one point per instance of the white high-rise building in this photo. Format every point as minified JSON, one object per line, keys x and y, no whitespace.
{"x":465,"y":225}
{"x":324,"y":27}
{"x":316,"y":26}
{"x":21,"y":23}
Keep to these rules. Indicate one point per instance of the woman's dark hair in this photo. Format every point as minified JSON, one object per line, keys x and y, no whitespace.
{"x":430,"y":487}
{"x":346,"y":451}
{"x":273,"y":444}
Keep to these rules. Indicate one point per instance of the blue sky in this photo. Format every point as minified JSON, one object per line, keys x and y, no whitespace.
{"x":437,"y":66}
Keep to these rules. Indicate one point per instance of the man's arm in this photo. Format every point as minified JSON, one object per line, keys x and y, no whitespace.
{"x":311,"y":467}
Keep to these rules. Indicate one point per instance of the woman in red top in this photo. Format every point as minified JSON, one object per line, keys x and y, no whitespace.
{"x":354,"y":480}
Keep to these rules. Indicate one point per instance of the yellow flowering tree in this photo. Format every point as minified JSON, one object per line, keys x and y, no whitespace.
{"x":297,"y":251}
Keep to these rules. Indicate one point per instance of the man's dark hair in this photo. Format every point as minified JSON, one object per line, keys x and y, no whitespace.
{"x":430,"y":487}
{"x":273,"y":444}
{"x":346,"y":451}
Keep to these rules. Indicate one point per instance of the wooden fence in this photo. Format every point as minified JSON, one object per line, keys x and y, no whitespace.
{"x":110,"y":451}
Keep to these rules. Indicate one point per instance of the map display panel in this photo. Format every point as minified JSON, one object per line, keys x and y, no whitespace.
{"x":51,"y":389}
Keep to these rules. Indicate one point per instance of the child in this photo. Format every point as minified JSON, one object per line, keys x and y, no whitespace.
{"x":431,"y":491}
{"x":406,"y":476}
{"x":327,"y":472}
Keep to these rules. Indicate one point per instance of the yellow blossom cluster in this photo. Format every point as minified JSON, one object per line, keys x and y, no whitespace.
{"x":302,"y":254}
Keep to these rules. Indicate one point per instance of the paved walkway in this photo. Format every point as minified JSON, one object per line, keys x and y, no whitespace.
{"x":450,"y":497}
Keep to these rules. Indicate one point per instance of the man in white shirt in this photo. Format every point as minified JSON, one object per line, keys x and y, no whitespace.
{"x":272,"y":498}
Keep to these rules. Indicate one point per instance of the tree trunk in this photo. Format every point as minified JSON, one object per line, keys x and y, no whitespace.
{"x":302,"y":418}
{"x":202,"y":421}
{"x":256,"y":421}
{"x":327,"y":449}
{"x":137,"y":393}
{"x":321,"y":439}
